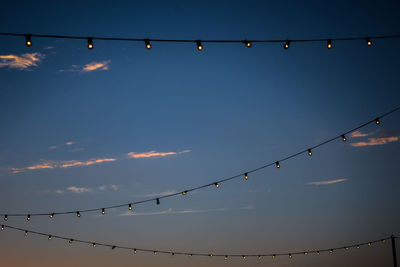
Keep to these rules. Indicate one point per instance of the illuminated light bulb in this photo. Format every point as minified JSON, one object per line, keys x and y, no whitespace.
{"x":113,"y":247}
{"x":331,"y":251}
{"x":377,"y":121}
{"x":78,"y":214}
{"x":259,"y":257}
{"x":216,"y":185}
{"x":244,"y":257}
{"x":369,"y":243}
{"x":70,"y":241}
{"x":2,"y":228}
{"x":226,"y":257}
{"x":28,"y":40}
{"x":103,"y":211}
{"x":94,"y":245}
{"x":51,"y":216}
{"x":5,"y":217}
{"x":344,"y":138}
{"x":358,"y":246}
{"x":309,"y":152}
{"x":130,"y":207}
{"x":26,"y":233}
{"x":317,"y":252}
{"x":190,"y":255}
{"x":90,"y":43}
{"x":247,"y":43}
{"x":346,"y":248}
{"x":184,"y":192}
{"x":306,"y":253}
{"x":329,"y":43}
{"x":273,"y":256}
{"x":290,"y":256}
{"x":246,"y":176}
{"x":211,"y":255}
{"x":49,"y":238}
{"x":134,"y":251}
{"x":158,"y":201}
{"x":28,"y":218}
{"x":383,"y":240}
{"x":277,"y":164}
{"x":286,"y":45}
{"x":368,"y":41}
{"x":148,"y":44}
{"x":155,"y":252}
{"x":199,"y":45}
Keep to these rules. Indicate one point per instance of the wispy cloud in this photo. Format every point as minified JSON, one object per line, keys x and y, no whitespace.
{"x":70,"y":143}
{"x":76,"y":149}
{"x":92,"y":66}
{"x":359,"y":134}
{"x":21,"y":62}
{"x":52,"y":147}
{"x":52,"y":164}
{"x":187,"y":211}
{"x":153,"y":153}
{"x":112,"y":187}
{"x":328,"y":182}
{"x":79,"y":190}
{"x":376,"y":141}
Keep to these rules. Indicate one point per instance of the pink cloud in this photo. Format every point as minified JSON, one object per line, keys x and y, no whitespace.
{"x":70,"y":143}
{"x":92,"y":66}
{"x":51,"y":164}
{"x":154,"y":153}
{"x":52,"y":147}
{"x":328,"y":182}
{"x":376,"y":141}
{"x":21,"y":62}
{"x":79,"y":190}
{"x":358,"y":134}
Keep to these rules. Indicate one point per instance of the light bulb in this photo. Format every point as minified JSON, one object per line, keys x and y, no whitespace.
{"x":246,"y":176}
{"x":49,"y":238}
{"x":172,"y":254}
{"x":130,"y":207}
{"x":309,"y":152}
{"x":226,"y":257}
{"x":277,"y":164}
{"x":147,"y":43}
{"x":290,"y":256}
{"x":78,"y":214}
{"x":28,"y":40}
{"x":286,"y":45}
{"x":26,"y":233}
{"x":28,"y":218}
{"x":94,"y":245}
{"x":358,"y":246}
{"x":103,"y":211}
{"x":199,"y":45}
{"x":113,"y":247}
{"x":158,"y":201}
{"x":134,"y":251}
{"x":51,"y":216}
{"x":368,"y":41}
{"x":369,"y":243}
{"x":70,"y":241}
{"x":329,"y":43}
{"x":184,"y":192}
{"x":5,"y":217}
{"x":377,"y":121}
{"x":244,"y":257}
{"x":331,"y":251}
{"x":306,"y":253}
{"x":90,"y":43}
{"x":259,"y":257}
{"x":344,"y":138}
{"x":247,"y":43}
{"x":273,"y":256}
{"x":155,"y":252}
{"x":216,"y":185}
{"x":2,"y":227}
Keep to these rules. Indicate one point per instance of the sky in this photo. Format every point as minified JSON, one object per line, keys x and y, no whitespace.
{"x":90,"y":128}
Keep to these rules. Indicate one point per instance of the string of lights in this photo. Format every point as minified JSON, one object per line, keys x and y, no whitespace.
{"x":199,"y":43}
{"x":135,"y":250}
{"x":308,"y":151}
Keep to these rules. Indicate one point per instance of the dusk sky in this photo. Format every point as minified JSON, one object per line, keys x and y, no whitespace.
{"x":84,"y":129}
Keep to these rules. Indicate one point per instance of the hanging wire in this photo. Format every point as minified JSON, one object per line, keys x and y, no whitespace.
{"x":217,"y":183}
{"x":247,"y":42}
{"x":172,"y":253}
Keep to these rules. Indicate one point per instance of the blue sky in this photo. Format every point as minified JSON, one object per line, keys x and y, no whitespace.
{"x":120,"y":123}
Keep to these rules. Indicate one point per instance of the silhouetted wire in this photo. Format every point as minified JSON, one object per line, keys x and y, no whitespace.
{"x":244,"y":255}
{"x":351,"y":38}
{"x":218,"y":182}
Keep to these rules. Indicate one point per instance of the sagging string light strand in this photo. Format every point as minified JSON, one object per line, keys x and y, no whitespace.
{"x":248,"y":43}
{"x":135,"y":250}
{"x":217,"y":184}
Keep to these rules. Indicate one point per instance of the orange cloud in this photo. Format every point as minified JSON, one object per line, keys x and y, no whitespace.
{"x":328,"y":182}
{"x":51,"y":164}
{"x":70,"y":143}
{"x":153,"y":153}
{"x":21,"y":62}
{"x":92,"y":66}
{"x":358,"y":134}
{"x":376,"y":141}
{"x":52,"y":147}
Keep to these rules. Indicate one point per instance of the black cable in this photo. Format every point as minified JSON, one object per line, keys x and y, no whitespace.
{"x":215,"y":183}
{"x":375,"y":37}
{"x":155,"y":251}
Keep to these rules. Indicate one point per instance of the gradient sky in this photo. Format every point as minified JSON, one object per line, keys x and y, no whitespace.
{"x":83,"y":129}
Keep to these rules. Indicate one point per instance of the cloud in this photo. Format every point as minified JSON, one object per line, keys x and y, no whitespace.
{"x":187,"y":211}
{"x":70,"y":143}
{"x":60,"y":192}
{"x":52,"y":164}
{"x":92,"y":66}
{"x":328,"y":182}
{"x":79,"y":190}
{"x":113,"y":187}
{"x":376,"y":141}
{"x":21,"y":62}
{"x":153,"y":153}
{"x":52,"y":147}
{"x":76,"y":149}
{"x":165,"y":193}
{"x":358,"y":134}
